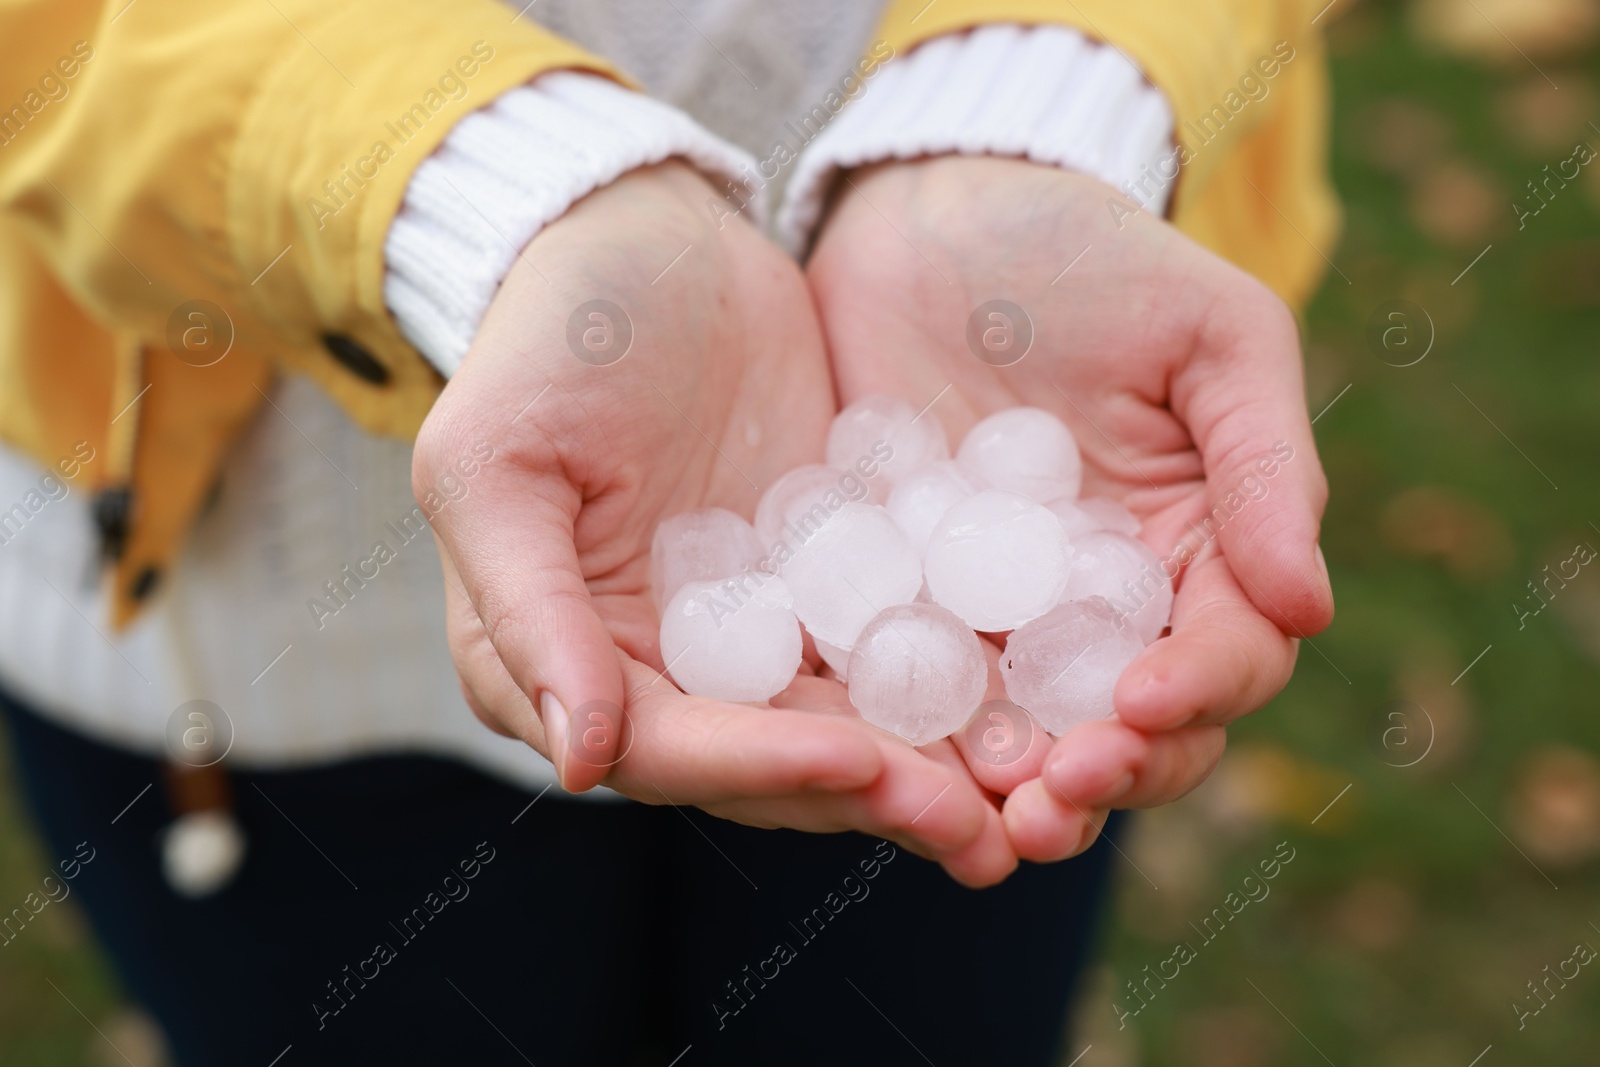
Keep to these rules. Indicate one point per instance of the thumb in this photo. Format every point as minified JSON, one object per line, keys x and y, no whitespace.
{"x":512,"y":545}
{"x":1242,"y":396}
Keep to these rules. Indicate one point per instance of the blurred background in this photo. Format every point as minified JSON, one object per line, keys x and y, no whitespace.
{"x":1459,"y":712}
{"x":1432,"y":769}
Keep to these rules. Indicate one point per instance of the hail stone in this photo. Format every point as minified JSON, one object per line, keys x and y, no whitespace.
{"x":1063,"y":667}
{"x":739,"y":644}
{"x":917,"y":671}
{"x":1074,"y":519}
{"x":1026,"y":450}
{"x":801,"y":496}
{"x":700,"y":546}
{"x":997,"y":559}
{"x":920,"y":500}
{"x":850,"y":568}
{"x":1093,"y":515}
{"x":835,"y":657}
{"x":884,"y":434}
{"x":1128,"y":574}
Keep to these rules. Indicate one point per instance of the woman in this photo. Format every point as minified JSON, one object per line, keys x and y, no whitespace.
{"x":242,"y":251}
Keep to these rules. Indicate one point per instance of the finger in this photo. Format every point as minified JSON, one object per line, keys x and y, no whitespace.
{"x":936,"y":802}
{"x":680,"y":749}
{"x":823,"y":694}
{"x":518,"y":565}
{"x":1222,"y":660}
{"x":987,"y":861}
{"x":966,"y":836}
{"x":1044,"y":827}
{"x":1243,"y":399}
{"x":941,"y":829}
{"x":973,"y":847}
{"x":1107,"y":764}
{"x":826,"y":696}
{"x":1002,"y":745}
{"x":489,"y":691}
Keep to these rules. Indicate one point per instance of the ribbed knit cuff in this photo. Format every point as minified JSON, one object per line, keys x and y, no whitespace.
{"x":1044,"y":93}
{"x":508,"y":170}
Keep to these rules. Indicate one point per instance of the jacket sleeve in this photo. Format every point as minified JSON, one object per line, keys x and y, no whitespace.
{"x":251,"y":155}
{"x":1252,"y":184}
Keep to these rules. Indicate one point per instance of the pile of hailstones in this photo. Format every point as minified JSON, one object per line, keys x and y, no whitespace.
{"x":894,"y":558}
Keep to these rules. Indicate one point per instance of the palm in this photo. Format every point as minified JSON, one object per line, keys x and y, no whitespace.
{"x":704,"y":411}
{"x":1108,"y":335}
{"x":1140,"y":346}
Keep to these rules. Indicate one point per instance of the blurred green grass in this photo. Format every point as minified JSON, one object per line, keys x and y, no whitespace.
{"x":1408,"y":921}
{"x":38,"y":1023}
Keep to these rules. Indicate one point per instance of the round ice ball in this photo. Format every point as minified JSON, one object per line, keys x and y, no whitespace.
{"x":1092,"y":515}
{"x":739,"y":644}
{"x":853,"y":566}
{"x":1026,"y":450}
{"x":1127,"y":573}
{"x":835,"y":657}
{"x":917,"y":671}
{"x":920,"y":500}
{"x":886,"y":435}
{"x":798,"y":500}
{"x":997,"y":559}
{"x":1063,"y":666}
{"x":700,"y":546}
{"x":1075,"y":520}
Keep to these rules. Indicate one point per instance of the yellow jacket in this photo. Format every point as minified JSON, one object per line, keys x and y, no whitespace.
{"x":156,"y":164}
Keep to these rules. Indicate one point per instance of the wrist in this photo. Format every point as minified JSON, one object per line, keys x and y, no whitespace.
{"x":935,"y":195}
{"x":504,"y":174}
{"x":612,"y":238}
{"x":1045,"y":94}
{"x":640,"y":243}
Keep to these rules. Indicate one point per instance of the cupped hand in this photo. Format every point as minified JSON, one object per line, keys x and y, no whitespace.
{"x":1180,"y":376}
{"x":641,"y":360}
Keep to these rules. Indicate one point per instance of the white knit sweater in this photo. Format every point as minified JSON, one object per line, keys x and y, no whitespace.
{"x":307,"y":494}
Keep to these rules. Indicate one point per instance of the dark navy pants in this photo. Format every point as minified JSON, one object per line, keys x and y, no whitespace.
{"x":399,"y":911}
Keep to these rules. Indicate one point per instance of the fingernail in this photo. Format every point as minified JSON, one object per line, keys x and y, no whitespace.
{"x":1059,"y":763}
{"x":555,"y":720}
{"x":1322,"y":565}
{"x":1120,"y":788}
{"x":1109,"y":795}
{"x":1065,"y":773}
